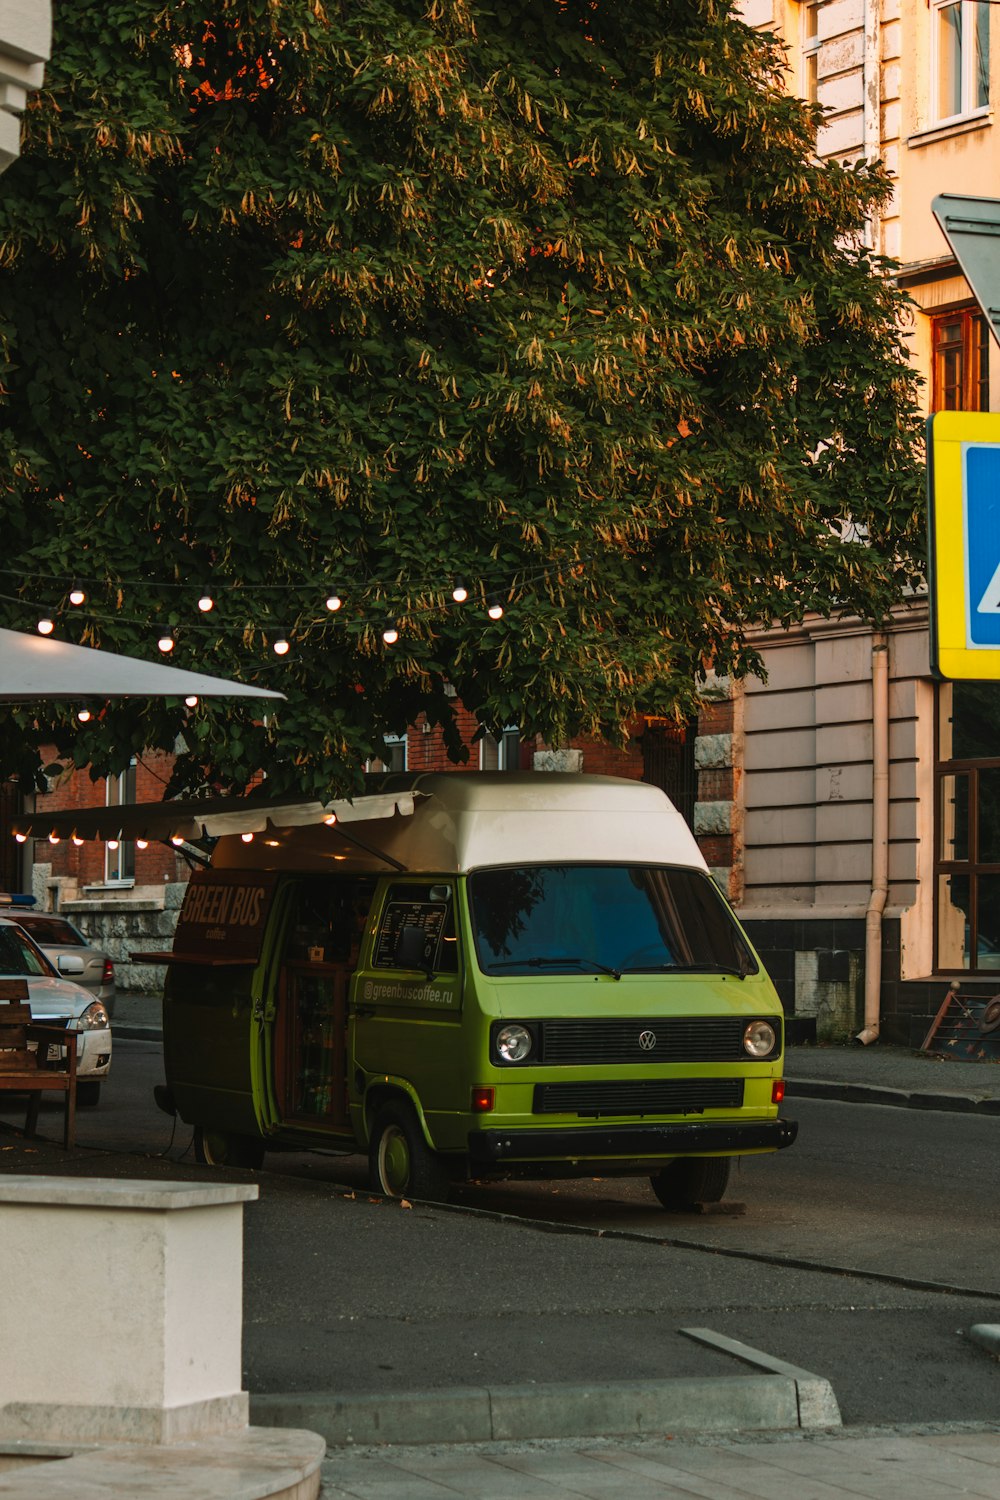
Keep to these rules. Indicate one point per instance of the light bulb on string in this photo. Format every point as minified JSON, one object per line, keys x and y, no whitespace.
{"x":53,"y":838}
{"x":495,"y":610}
{"x":191,"y":701}
{"x":333,"y":603}
{"x":390,"y":635}
{"x":282,"y":646}
{"x":177,"y":840}
{"x":45,"y":626}
{"x":84,"y":715}
{"x":76,"y":841}
{"x":330,"y":820}
{"x":20,"y":838}
{"x":142,"y":843}
{"x":205,"y":603}
{"x":113,"y":843}
{"x":166,"y":643}
{"x":247,"y":838}
{"x":76,"y":595}
{"x":460,"y":593}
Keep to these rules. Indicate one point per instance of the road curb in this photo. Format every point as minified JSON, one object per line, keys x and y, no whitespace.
{"x":126,"y":1031}
{"x":747,"y":1403}
{"x":862,"y":1093}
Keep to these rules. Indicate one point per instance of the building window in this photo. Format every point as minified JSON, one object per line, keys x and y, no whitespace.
{"x":961,"y":57}
{"x":810,"y":51}
{"x":504,"y":753}
{"x":961,"y":361}
{"x":967,"y":840}
{"x":119,"y":864}
{"x":393,"y":757}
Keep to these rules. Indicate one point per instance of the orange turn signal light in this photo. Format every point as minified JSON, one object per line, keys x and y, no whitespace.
{"x":482,"y":1100}
{"x":777,"y":1091}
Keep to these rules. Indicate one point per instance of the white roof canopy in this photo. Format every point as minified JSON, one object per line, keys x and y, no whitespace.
{"x":35,"y":668}
{"x":207,"y":817}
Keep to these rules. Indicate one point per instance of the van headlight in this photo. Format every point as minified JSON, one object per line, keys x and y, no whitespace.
{"x":513,"y":1043}
{"x":759,"y":1038}
{"x":94,"y":1018}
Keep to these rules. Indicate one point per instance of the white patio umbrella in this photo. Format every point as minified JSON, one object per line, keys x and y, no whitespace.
{"x":34,"y":668}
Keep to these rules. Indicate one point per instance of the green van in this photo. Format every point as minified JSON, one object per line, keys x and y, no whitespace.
{"x":509,"y":975}
{"x":471,"y":975}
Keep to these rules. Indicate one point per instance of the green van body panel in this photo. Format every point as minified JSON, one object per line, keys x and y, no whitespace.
{"x":384,"y":1031}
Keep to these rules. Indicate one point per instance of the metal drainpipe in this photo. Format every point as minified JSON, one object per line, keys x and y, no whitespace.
{"x":872,"y":107}
{"x":880,"y":838}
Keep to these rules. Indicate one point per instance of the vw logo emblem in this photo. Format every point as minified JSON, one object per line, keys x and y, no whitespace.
{"x":647,"y":1040}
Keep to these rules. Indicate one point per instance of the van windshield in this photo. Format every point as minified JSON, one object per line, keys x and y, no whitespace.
{"x":618,"y":919}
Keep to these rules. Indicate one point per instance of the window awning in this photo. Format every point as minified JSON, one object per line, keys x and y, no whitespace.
{"x":198,"y":819}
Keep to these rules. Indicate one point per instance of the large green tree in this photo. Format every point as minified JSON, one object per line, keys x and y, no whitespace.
{"x":549,"y":299}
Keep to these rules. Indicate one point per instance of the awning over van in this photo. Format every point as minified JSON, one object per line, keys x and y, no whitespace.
{"x":198,"y":819}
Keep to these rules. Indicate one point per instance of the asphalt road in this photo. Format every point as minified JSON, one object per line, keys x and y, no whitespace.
{"x":591,"y":1281}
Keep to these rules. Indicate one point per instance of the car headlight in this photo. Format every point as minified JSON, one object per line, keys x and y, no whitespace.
{"x":94,"y":1018}
{"x":513,"y":1043}
{"x":759,"y":1038}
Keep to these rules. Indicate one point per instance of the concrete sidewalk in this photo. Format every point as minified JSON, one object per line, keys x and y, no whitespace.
{"x":877,"y":1074}
{"x":869,"y":1465}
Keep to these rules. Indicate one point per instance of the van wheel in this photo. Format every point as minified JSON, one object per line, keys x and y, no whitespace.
{"x":218,"y":1148}
{"x":400,"y":1162}
{"x":692,"y":1179}
{"x":88,"y":1094}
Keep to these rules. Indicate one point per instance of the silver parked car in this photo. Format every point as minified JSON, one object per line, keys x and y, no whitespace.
{"x":65,"y":946}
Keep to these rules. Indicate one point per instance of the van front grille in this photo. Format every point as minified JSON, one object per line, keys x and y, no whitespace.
{"x":664,"y":1039}
{"x":678,"y":1096}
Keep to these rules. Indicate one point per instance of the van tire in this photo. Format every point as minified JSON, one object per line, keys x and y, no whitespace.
{"x":692,"y":1179}
{"x":400,"y":1163}
{"x":219,"y":1148}
{"x":88,"y":1093}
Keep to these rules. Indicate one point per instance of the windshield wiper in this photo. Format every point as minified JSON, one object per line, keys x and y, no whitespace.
{"x":739,"y":973}
{"x":546,"y":963}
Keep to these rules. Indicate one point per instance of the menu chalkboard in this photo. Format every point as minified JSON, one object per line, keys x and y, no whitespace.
{"x":409,"y":935}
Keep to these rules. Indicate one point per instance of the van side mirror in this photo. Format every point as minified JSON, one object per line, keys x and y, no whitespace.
{"x":70,"y":963}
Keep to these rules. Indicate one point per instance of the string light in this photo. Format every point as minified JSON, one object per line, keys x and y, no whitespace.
{"x":46,"y":626}
{"x":191,"y":700}
{"x":390,"y":635}
{"x":21,"y":838}
{"x":281,"y":646}
{"x":330,"y":820}
{"x":84,"y":715}
{"x":247,"y":838}
{"x":205,"y":603}
{"x":76,"y":841}
{"x":113,"y":843}
{"x":166,"y":644}
{"x":53,"y":838}
{"x":142,"y":843}
{"x":77,"y":595}
{"x":459,"y":593}
{"x":176,"y":840}
{"x":495,"y":610}
{"x":333,"y":603}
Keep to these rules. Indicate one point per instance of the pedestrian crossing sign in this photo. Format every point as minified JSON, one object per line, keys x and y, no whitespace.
{"x":963,"y":473}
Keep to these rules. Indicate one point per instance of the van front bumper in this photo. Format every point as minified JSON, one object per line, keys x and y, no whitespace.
{"x":634,"y":1141}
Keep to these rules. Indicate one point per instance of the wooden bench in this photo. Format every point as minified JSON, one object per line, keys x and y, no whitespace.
{"x":47,"y":1067}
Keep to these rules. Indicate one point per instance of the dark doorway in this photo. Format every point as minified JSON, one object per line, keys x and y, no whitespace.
{"x":668,"y":762}
{"x":10,"y":852}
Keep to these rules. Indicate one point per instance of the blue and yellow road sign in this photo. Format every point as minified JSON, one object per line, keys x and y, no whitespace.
{"x":963,"y":481}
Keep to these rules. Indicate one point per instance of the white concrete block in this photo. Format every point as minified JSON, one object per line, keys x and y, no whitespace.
{"x":151,"y":1349}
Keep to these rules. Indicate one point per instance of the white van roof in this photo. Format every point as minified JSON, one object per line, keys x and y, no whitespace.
{"x":467,"y":820}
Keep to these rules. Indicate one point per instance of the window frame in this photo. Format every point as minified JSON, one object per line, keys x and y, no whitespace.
{"x":119,"y":864}
{"x":973,"y":385}
{"x":970,"y":13}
